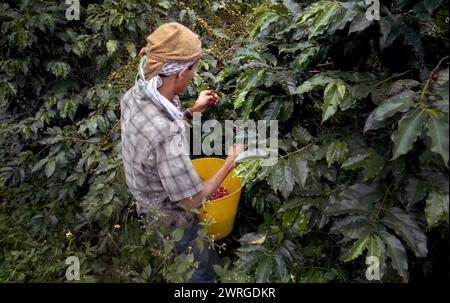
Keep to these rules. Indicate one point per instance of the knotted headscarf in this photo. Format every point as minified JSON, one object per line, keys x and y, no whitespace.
{"x":170,"y":48}
{"x":170,"y":43}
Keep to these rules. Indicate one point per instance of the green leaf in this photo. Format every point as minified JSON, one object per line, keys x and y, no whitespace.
{"x":333,"y":96}
{"x":247,"y":261}
{"x":292,"y":6}
{"x":373,"y":166}
{"x":357,"y":199}
{"x":371,"y":161}
{"x":264,"y":269}
{"x":240,"y":99}
{"x":252,"y":79}
{"x":356,"y":161}
{"x":147,"y":271}
{"x":59,"y":69}
{"x":258,"y":241}
{"x":322,"y":20}
{"x":263,"y":22}
{"x":409,"y":128}
{"x":282,"y":178}
{"x":438,"y":130}
{"x":399,"y":103}
{"x":352,"y":226}
{"x":405,"y":225}
{"x":337,"y":151}
{"x":357,"y":248}
{"x":111,"y":46}
{"x":357,"y":92}
{"x":50,"y":168}
{"x":301,"y":134}
{"x":403,"y":87}
{"x":177,"y":234}
{"x":131,"y":48}
{"x":286,"y":110}
{"x":374,"y":247}
{"x":431,"y":5}
{"x":359,"y":23}
{"x":299,"y":168}
{"x":38,"y":165}
{"x":305,"y":57}
{"x":436,"y":209}
{"x":169,"y":245}
{"x":272,"y":111}
{"x":281,"y":270}
{"x":396,"y":252}
{"x":344,"y":17}
{"x":252,"y":237}
{"x":391,"y":28}
{"x":315,"y":82}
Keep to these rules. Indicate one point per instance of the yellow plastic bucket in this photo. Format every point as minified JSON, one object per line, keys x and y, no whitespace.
{"x":220,"y":212}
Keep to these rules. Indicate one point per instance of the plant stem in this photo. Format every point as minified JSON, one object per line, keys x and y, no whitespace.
{"x":297,"y":151}
{"x":377,"y":215}
{"x":393,"y":77}
{"x":427,"y":82}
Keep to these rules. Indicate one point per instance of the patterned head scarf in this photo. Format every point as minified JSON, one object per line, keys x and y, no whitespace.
{"x":170,"y":48}
{"x":170,"y":43}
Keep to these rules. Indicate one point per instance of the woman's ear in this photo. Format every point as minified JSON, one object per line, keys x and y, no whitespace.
{"x":181,"y":74}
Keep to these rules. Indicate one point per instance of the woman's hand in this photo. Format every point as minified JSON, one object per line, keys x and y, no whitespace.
{"x":205,"y":99}
{"x":233,"y":151}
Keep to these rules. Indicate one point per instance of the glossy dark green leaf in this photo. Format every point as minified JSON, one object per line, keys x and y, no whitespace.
{"x":396,"y":252}
{"x":302,"y":134}
{"x":292,"y":6}
{"x":359,"y":23}
{"x":352,"y":226}
{"x":357,"y":248}
{"x":299,"y":168}
{"x":399,"y":103}
{"x":431,"y":5}
{"x":264,"y":270}
{"x":280,"y":267}
{"x":286,"y":110}
{"x":405,"y":225}
{"x":357,"y":199}
{"x":272,"y":111}
{"x":318,"y":81}
{"x":409,"y":128}
{"x":50,"y":168}
{"x":332,"y":96}
{"x":438,"y":130}
{"x":391,"y":28}
{"x":337,"y":152}
{"x":436,"y":209}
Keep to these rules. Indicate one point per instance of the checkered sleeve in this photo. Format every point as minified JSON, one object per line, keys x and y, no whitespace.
{"x":175,"y":169}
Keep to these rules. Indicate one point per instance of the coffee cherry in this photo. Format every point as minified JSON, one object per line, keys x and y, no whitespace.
{"x":434,"y":76}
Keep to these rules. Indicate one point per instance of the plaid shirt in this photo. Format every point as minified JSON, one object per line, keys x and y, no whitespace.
{"x":158,"y":169}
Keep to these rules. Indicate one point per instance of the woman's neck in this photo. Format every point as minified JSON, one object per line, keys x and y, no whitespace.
{"x":167,"y":89}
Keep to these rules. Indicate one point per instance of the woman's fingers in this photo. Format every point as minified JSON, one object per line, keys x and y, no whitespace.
{"x":212,"y":97}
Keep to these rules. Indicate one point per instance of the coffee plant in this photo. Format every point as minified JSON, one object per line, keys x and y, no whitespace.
{"x":360,"y":190}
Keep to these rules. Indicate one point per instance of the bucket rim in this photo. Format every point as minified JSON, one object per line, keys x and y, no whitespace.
{"x":237,"y":191}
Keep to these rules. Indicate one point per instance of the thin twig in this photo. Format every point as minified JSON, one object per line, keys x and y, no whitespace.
{"x":386,"y":194}
{"x":392,"y":77}
{"x":427,"y":82}
{"x":297,"y":151}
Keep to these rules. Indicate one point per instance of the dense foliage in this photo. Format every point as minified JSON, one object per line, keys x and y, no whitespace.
{"x":362,"y":107}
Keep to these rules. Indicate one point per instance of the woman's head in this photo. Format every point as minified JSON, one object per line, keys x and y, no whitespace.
{"x":172,"y":43}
